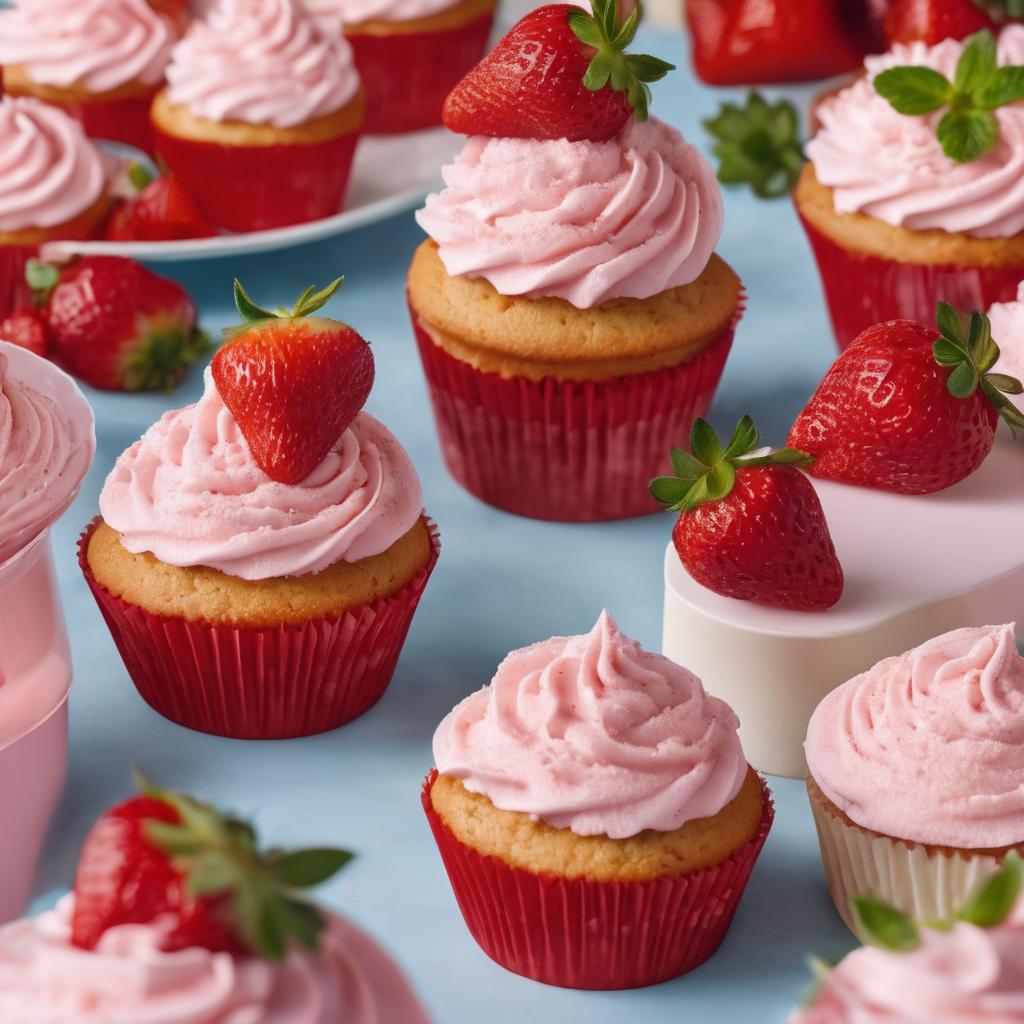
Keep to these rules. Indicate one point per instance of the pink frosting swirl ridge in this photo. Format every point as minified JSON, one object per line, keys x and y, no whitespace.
{"x":929,"y":746}
{"x":261,"y":62}
{"x":190,"y":492}
{"x":891,"y":166}
{"x":351,"y":12}
{"x":595,"y":734}
{"x":100,"y":44}
{"x":128,"y":979}
{"x":967,"y":975}
{"x":582,"y":221}
{"x":49,"y":171}
{"x":1008,"y":330}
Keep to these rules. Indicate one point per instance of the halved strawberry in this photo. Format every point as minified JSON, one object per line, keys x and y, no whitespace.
{"x":560,"y":73}
{"x":163,"y":210}
{"x":292,"y":381}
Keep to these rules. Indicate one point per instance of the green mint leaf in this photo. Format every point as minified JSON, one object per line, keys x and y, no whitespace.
{"x":306,"y":868}
{"x":685,"y":466}
{"x":967,"y":134}
{"x":884,"y":926}
{"x":977,"y":64}
{"x":951,"y":324}
{"x":914,"y":90}
{"x":744,"y":439}
{"x":993,"y":901}
{"x":704,"y":443}
{"x":1005,"y":383}
{"x":1005,"y":86}
{"x":669,"y":490}
{"x":963,"y":381}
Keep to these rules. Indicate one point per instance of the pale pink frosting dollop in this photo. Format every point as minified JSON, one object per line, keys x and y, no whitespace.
{"x":929,"y":746}
{"x":46,"y":446}
{"x":190,"y":492}
{"x":129,"y":980}
{"x":49,"y":171}
{"x":582,"y":221}
{"x":892,"y":167}
{"x":967,"y":975}
{"x":1008,"y":330}
{"x":261,"y":62}
{"x":595,"y":734}
{"x":100,"y":44}
{"x":351,"y":12}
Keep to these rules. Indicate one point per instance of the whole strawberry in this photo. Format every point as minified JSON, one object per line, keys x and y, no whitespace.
{"x":750,"y":524}
{"x":168,"y":858}
{"x":292,"y":381}
{"x":908,"y":408}
{"x":118,"y":326}
{"x":163,"y":210}
{"x":560,"y":73}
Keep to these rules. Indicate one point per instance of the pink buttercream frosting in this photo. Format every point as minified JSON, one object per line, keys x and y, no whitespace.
{"x":50,"y":172}
{"x":46,"y":446}
{"x":582,"y":221}
{"x":190,"y":492}
{"x":1008,"y":330}
{"x":351,"y":12}
{"x":891,"y":166}
{"x":129,"y":980}
{"x":595,"y":734}
{"x":99,"y":44}
{"x":966,"y":975}
{"x":929,"y":746}
{"x":261,"y":62}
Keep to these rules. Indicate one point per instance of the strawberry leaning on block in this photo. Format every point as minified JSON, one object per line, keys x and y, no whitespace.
{"x":907,"y":408}
{"x":292,"y":381}
{"x":750,"y":525}
{"x":560,"y":73}
{"x":167,"y":858}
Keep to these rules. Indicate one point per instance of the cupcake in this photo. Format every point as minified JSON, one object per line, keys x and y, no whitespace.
{"x":144,"y":938}
{"x":1007,"y":320}
{"x":260,"y":116}
{"x":53,"y":180}
{"x":410,"y":53}
{"x":46,"y":446}
{"x":595,"y":813}
{"x":260,"y":554}
{"x":915,"y":769}
{"x":896,"y":224}
{"x":101,"y":61}
{"x":571,"y":314}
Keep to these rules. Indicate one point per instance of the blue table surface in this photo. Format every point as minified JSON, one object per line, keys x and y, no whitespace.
{"x":502,"y":582}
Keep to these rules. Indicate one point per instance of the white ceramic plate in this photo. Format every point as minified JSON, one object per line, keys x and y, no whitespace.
{"x":391,"y":174}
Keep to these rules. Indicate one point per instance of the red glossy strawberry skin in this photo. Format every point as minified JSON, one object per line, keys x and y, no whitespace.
{"x":768,"y":541}
{"x":883,"y":416}
{"x":294,"y":386}
{"x":118,"y":326}
{"x":164,"y":211}
{"x":931,"y":21}
{"x":124,"y":879}
{"x":26,"y":327}
{"x":531,"y":87}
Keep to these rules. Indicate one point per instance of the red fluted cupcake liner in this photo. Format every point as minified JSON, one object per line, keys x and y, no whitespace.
{"x":572,"y":451}
{"x":407,"y":75}
{"x":252,"y":188}
{"x":862,"y":290}
{"x":261,"y":683}
{"x":14,"y":289}
{"x":576,"y":933}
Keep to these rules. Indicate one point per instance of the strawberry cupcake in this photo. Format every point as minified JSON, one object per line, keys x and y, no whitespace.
{"x":914,"y":190}
{"x":571,"y":314}
{"x":593,"y":793}
{"x":410,"y":53}
{"x":101,"y":61}
{"x":260,"y":554}
{"x":222,"y":934}
{"x":915,"y":772}
{"x":260,"y":117}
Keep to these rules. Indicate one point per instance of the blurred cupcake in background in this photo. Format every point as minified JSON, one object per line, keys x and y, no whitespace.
{"x":1007,"y":320}
{"x":101,"y":61}
{"x":410,"y":53}
{"x":260,"y":116}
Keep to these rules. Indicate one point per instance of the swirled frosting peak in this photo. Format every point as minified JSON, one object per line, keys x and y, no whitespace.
{"x":50,"y":173}
{"x":102,"y":45}
{"x":892,"y":167}
{"x":261,"y":62}
{"x":1008,"y":330}
{"x":190,"y":492}
{"x":595,"y":734}
{"x":929,"y":746}
{"x":352,"y":12}
{"x":582,"y":221}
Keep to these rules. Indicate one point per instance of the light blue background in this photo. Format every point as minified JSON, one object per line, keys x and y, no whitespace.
{"x":502,"y":582}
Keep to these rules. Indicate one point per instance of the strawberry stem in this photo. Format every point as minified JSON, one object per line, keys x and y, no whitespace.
{"x":42,"y":278}
{"x":309,"y":302}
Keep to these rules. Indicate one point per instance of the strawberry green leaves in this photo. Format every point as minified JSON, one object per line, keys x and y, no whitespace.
{"x":968,"y":129}
{"x":883,"y":926}
{"x":309,"y":302}
{"x":709,"y":473}
{"x":993,"y":901}
{"x":966,"y":346}
{"x":625,"y":72}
